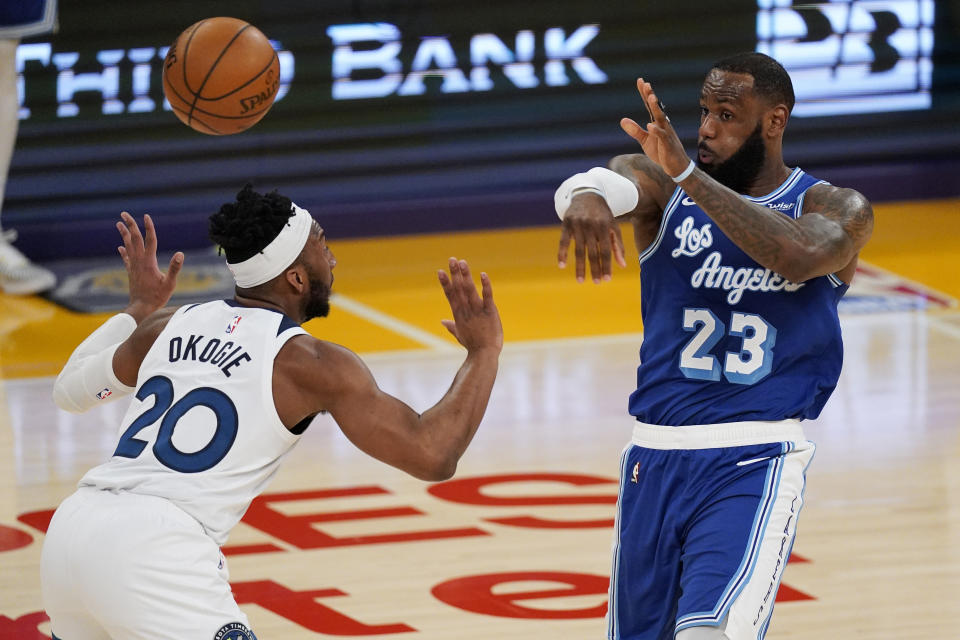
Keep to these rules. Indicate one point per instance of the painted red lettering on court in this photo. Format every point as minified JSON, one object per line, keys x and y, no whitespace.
{"x":298,"y":530}
{"x":302,"y":608}
{"x":245,"y":549}
{"x":789,"y":594}
{"x":39,"y":520}
{"x":475,"y":594}
{"x":25,"y":627}
{"x":471,"y":593}
{"x":470,"y":491}
{"x":11,"y":538}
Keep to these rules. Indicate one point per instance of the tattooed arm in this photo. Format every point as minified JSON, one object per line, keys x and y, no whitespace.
{"x":836,"y":223}
{"x":655,"y":189}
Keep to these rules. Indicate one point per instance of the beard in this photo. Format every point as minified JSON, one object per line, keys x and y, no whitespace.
{"x":318,"y":304}
{"x":739,"y":171}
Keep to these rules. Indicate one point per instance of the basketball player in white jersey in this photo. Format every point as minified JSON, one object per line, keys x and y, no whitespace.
{"x":222,"y":391}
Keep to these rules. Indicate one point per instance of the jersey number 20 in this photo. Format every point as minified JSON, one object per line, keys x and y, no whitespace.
{"x":751,"y":364}
{"x":166,"y":452}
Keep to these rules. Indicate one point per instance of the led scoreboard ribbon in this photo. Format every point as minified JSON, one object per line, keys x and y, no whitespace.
{"x":851,"y":56}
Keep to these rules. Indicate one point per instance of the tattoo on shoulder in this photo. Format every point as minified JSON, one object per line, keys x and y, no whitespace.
{"x":847,"y":207}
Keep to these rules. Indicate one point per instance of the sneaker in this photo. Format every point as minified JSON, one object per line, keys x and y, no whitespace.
{"x":19,"y":276}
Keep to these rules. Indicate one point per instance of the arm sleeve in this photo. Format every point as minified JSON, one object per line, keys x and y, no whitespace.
{"x":619,"y":192}
{"x":88,"y":379}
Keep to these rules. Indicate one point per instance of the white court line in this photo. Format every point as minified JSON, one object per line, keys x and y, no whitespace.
{"x":381,"y":319}
{"x":952,"y":302}
{"x":933,"y":320}
{"x":939,"y":324}
{"x":514,"y":346}
{"x":548,"y":343}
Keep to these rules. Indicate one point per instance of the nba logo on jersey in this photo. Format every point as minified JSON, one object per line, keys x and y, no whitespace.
{"x":104,"y":394}
{"x":233,"y":325}
{"x":636,"y":472}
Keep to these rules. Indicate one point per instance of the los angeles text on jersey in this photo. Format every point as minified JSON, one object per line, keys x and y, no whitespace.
{"x":224,"y":355}
{"x":714,"y":275}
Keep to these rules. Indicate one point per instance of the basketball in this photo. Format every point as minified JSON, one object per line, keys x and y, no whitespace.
{"x":221,"y":76}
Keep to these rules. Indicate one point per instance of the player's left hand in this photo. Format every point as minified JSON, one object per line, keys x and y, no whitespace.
{"x":476,"y":320}
{"x":596,"y":237}
{"x":150,"y":288}
{"x":659,"y":141}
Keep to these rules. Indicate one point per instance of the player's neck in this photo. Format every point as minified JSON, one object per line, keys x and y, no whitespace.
{"x":771,"y":176}
{"x":250,"y":299}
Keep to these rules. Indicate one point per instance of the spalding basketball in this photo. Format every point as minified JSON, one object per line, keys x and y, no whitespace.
{"x":221,"y":76}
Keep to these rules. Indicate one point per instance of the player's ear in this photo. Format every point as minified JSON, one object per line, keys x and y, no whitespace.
{"x":776,"y":120}
{"x":296,"y":277}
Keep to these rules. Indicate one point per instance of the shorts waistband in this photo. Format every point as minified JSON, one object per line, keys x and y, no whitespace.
{"x":151,"y":503}
{"x":714,"y":436}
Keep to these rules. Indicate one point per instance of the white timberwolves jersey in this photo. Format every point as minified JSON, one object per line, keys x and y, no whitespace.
{"x":203,"y":431}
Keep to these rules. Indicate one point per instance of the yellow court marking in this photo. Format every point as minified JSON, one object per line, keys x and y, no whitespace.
{"x":536,"y":299}
{"x":919,"y":241}
{"x":45,"y":335}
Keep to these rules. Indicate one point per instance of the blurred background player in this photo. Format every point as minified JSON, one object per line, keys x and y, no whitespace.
{"x":224,"y":390}
{"x":743,"y":262}
{"x":18,"y":19}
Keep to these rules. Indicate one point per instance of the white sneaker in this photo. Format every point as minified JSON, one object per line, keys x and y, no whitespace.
{"x":19,"y":276}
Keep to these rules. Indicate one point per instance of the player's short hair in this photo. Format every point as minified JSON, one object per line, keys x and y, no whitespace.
{"x":243,"y":228}
{"x":770,"y":79}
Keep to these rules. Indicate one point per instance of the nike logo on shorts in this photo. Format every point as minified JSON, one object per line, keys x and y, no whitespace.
{"x":744,"y":463}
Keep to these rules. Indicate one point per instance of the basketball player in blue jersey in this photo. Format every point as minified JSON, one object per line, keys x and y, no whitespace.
{"x":222,"y":392}
{"x":743,"y":261}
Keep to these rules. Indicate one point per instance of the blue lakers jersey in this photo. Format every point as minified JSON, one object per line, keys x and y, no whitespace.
{"x":726,"y":339}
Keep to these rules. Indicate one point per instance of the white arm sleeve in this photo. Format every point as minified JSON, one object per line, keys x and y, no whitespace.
{"x":87,"y":379}
{"x":619,"y":192}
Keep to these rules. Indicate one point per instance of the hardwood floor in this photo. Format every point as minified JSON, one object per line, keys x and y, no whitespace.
{"x":517,"y":545}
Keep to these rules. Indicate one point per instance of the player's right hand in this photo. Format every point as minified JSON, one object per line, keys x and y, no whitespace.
{"x":476,"y":321}
{"x":150,"y":288}
{"x":659,"y":141}
{"x":595,"y":234}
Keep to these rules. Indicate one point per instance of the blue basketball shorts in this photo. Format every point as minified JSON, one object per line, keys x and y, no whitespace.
{"x":706,"y":519}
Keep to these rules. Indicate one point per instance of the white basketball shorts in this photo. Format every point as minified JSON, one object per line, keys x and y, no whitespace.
{"x":122,"y":565}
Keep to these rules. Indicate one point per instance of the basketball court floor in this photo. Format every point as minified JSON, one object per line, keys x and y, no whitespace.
{"x":516,"y":545}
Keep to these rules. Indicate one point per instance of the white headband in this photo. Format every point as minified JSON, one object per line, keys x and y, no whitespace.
{"x":276,"y":256}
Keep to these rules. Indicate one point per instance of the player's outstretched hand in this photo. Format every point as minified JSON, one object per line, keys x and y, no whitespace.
{"x":659,"y":141}
{"x":150,"y":288}
{"x":595,"y":234}
{"x":476,"y":321}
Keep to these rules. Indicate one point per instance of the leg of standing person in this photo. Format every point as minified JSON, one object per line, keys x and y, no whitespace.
{"x":738,"y":540}
{"x":17,"y":274}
